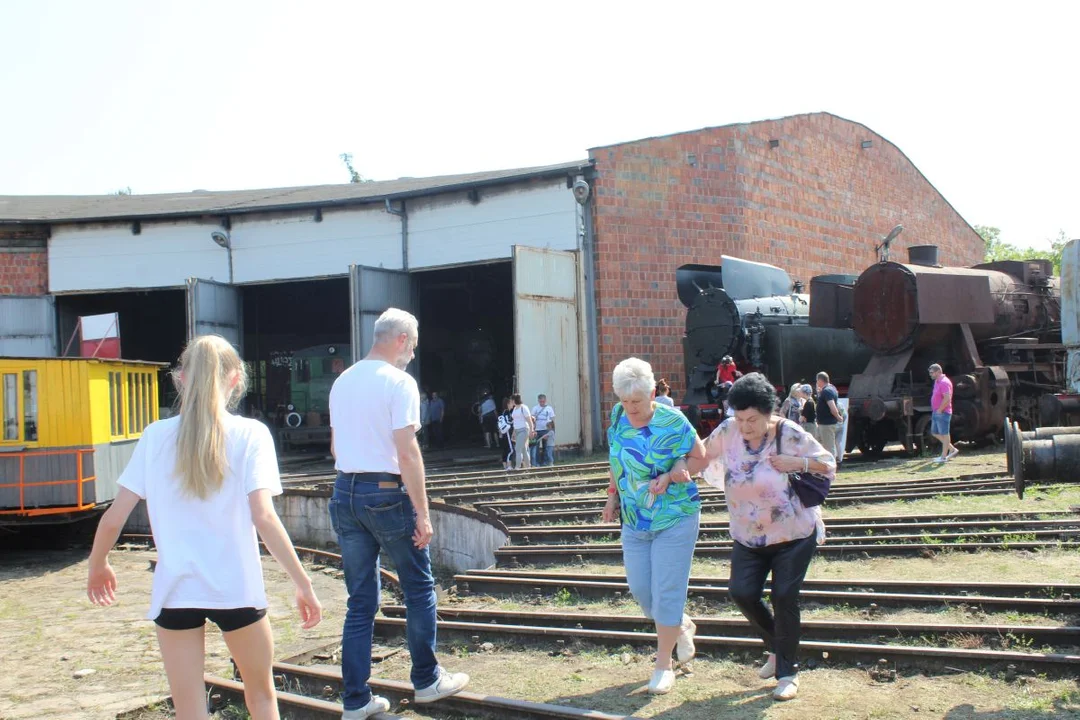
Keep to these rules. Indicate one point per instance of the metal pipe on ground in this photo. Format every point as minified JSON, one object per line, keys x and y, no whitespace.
{"x":1051,"y":459}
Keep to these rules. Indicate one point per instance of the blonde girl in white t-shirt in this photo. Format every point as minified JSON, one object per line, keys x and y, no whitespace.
{"x":207,"y":477}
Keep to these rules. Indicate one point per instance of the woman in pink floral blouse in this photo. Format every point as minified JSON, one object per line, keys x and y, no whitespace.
{"x":771,"y":529}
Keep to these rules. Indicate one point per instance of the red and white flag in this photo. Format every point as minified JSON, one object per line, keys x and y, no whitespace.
{"x":100,"y":335}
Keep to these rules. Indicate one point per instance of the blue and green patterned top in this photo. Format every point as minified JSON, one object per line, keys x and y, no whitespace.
{"x":640,"y":454}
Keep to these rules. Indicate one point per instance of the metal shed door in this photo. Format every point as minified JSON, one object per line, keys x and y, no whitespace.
{"x":546,"y":348}
{"x":215,"y":308}
{"x":371,"y":292}
{"x":28,"y":326}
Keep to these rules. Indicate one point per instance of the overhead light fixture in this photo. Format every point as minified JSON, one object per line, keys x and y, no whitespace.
{"x":221,"y":239}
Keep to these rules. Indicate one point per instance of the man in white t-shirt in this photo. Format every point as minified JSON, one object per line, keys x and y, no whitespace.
{"x":544,"y":418}
{"x":380,"y":504}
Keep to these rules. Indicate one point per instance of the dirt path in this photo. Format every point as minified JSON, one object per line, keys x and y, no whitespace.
{"x":50,"y":631}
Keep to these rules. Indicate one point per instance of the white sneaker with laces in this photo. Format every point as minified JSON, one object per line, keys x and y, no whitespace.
{"x":768,"y":670}
{"x":375,"y":706}
{"x":952,"y":453}
{"x":786,"y":688}
{"x":446,"y":685}
{"x":939,"y":459}
{"x":662,"y":682}
{"x":684,"y":646}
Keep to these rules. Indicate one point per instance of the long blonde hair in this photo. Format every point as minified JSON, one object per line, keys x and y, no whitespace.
{"x":211,"y":380}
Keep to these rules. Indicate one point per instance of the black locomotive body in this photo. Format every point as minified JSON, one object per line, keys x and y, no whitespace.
{"x":754,"y":313}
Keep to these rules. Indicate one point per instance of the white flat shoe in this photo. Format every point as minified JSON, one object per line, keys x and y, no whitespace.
{"x":787,"y":688}
{"x":768,"y":670}
{"x":684,"y":646}
{"x":662,"y":682}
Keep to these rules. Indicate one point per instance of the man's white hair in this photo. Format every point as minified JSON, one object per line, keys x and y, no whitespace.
{"x":633,"y":377}
{"x":393,"y":322}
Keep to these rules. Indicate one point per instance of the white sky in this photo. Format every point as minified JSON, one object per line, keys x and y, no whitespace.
{"x":175,"y":96}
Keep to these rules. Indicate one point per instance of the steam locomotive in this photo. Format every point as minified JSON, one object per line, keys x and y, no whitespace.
{"x":995,"y":328}
{"x":755,"y":313}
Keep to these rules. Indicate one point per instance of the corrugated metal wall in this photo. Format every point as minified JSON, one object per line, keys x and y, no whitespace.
{"x":28,"y":326}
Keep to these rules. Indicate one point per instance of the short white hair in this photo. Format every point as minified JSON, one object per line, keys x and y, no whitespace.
{"x":633,"y":376}
{"x":393,"y":322}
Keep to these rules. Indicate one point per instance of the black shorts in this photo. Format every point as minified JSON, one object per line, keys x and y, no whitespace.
{"x":191,"y":618}
{"x":488,"y":423}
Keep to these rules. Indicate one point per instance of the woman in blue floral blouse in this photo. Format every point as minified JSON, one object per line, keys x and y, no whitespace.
{"x":659,"y":506}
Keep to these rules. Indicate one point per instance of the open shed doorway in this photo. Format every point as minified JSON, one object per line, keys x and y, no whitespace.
{"x":296,"y":341}
{"x":466,"y":348}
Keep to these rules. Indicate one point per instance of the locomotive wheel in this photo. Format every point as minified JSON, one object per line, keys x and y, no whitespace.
{"x":924,"y":439}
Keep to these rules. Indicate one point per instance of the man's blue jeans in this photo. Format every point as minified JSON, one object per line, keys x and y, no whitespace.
{"x":367,"y":519}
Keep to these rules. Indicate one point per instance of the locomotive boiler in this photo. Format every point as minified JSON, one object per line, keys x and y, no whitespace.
{"x":755,"y":313}
{"x":995,"y":329}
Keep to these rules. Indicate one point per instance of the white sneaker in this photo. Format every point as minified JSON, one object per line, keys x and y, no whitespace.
{"x":662,"y":682}
{"x":448,"y":684}
{"x":684,"y":646}
{"x":939,"y":460}
{"x":768,"y":670}
{"x":952,"y":453}
{"x":787,"y":688}
{"x":375,"y":705}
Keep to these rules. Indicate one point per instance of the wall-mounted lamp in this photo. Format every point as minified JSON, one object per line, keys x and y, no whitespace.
{"x":867,"y":143}
{"x":774,"y":143}
{"x":222,"y":240}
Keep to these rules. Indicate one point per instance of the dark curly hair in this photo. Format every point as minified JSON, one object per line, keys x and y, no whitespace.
{"x":752,"y":390}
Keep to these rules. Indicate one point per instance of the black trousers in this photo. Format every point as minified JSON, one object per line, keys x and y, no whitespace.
{"x":788,"y":563}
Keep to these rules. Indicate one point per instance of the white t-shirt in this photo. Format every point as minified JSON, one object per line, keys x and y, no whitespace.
{"x":543,"y":416}
{"x":520,"y":415}
{"x":367,"y":403}
{"x":208,"y":550}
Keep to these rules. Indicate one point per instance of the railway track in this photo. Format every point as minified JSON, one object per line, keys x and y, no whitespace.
{"x":588,"y":509}
{"x":738,"y":627}
{"x":534,"y":488}
{"x":303,"y":693}
{"x":1057,"y":600}
{"x":816,"y":651}
{"x":853,"y":527}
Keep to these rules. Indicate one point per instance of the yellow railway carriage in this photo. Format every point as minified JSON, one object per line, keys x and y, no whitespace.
{"x":69,"y":428}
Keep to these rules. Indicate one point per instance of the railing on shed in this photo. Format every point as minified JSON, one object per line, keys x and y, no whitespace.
{"x":47,"y":482}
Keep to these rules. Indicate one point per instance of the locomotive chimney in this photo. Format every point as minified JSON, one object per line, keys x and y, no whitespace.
{"x":923,"y":255}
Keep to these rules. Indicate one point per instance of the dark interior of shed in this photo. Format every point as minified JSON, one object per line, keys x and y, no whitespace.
{"x":296,"y":340}
{"x":466,"y":317}
{"x":153,"y":326}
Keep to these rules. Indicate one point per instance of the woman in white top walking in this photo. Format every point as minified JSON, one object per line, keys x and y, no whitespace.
{"x":523,"y":431}
{"x":207,"y":477}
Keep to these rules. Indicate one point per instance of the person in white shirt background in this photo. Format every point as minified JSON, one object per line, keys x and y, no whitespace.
{"x":544,"y":423}
{"x":207,"y":477}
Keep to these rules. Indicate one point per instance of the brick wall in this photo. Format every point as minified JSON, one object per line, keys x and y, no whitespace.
{"x":24,"y":261}
{"x":815,"y":203}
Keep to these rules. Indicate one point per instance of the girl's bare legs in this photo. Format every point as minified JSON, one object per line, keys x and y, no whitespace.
{"x":184,"y":652}
{"x":252,"y":648}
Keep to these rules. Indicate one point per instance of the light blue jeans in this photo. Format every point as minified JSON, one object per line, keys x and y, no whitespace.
{"x":658,"y":568}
